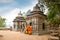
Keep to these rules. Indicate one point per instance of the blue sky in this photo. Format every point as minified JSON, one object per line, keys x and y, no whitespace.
{"x":7,"y":5}
{"x":9,"y":9}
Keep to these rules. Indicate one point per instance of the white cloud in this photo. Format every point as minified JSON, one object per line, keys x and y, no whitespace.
{"x":11,"y":15}
{"x":29,"y":7}
{"x":6,"y":1}
{"x":46,"y":11}
{"x":4,"y":10}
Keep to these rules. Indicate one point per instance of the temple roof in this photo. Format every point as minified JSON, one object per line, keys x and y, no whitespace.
{"x":19,"y":17}
{"x":36,"y":10}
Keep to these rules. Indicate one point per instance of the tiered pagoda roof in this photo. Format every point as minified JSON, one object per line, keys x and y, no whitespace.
{"x":19,"y":18}
{"x":36,"y":10}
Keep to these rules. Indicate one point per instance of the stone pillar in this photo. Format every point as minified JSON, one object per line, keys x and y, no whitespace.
{"x":16,"y":26}
{"x":21,"y":26}
{"x":35,"y":26}
{"x":13,"y":28}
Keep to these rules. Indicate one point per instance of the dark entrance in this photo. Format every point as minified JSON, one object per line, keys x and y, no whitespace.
{"x":43,"y":26}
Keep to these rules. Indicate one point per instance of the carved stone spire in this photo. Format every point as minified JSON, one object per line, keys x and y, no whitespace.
{"x":20,"y":14}
{"x":38,"y":1}
{"x":36,"y":8}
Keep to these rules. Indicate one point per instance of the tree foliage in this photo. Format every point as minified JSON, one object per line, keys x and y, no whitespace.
{"x":53,"y":10}
{"x":2,"y":22}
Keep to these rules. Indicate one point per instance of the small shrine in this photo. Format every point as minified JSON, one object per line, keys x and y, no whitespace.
{"x":19,"y":22}
{"x":37,"y":20}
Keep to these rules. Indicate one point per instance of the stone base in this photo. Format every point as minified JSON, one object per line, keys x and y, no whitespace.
{"x":53,"y":38}
{"x":40,"y":33}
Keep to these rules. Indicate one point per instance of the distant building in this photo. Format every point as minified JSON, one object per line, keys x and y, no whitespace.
{"x":36,"y":18}
{"x":19,"y":23}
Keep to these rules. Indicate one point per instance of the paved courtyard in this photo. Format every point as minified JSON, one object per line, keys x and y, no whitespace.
{"x":12,"y":35}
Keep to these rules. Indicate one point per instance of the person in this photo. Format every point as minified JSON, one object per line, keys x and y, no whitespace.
{"x":28,"y":29}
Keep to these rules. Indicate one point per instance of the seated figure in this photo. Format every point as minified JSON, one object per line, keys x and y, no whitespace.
{"x":28,"y":29}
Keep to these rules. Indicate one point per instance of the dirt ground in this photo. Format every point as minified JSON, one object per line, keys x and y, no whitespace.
{"x":12,"y":35}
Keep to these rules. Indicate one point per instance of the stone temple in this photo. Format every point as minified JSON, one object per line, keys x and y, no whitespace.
{"x":36,"y":18}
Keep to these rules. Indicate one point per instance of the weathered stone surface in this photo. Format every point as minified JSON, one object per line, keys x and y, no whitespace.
{"x":36,"y":18}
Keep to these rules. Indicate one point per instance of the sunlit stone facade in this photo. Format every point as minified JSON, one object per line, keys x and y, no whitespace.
{"x":36,"y":18}
{"x":19,"y":23}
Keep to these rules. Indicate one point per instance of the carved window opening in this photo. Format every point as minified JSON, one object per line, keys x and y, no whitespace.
{"x":18,"y":25}
{"x":43,"y":26}
{"x":14,"y":25}
{"x":21,"y":26}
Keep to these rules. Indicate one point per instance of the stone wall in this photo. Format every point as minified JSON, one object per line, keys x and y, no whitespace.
{"x":1,"y":28}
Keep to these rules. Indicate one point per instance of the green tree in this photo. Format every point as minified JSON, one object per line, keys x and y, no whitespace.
{"x":2,"y":22}
{"x":53,"y":12}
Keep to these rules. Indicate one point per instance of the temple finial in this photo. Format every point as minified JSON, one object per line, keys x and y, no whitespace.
{"x":38,"y":1}
{"x":36,"y":8}
{"x":20,"y":14}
